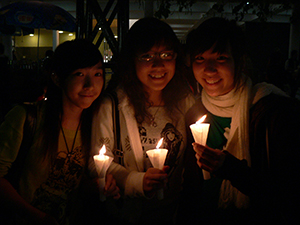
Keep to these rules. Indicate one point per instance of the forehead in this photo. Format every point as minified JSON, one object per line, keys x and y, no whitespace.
{"x":99,"y":65}
{"x":215,"y":49}
{"x":158,"y":45}
{"x":159,"y":48}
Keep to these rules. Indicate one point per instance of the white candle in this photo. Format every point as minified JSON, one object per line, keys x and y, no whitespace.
{"x":157,"y":158}
{"x":200,"y":132}
{"x":102,"y":162}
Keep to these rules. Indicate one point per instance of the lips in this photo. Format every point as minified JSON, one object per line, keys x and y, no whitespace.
{"x":87,"y":95}
{"x":212,"y":81}
{"x":157,"y":75}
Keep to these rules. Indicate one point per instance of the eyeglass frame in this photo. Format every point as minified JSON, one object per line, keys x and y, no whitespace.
{"x":154,"y":54}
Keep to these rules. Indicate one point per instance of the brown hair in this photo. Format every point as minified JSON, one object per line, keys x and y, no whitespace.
{"x":142,"y":36}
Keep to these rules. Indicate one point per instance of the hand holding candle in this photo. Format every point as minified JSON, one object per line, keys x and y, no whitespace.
{"x":200,"y":132}
{"x":157,"y":157}
{"x":102,"y":162}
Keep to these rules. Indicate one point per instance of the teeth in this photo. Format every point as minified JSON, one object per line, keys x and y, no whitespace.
{"x":157,"y":75}
{"x":212,"y":81}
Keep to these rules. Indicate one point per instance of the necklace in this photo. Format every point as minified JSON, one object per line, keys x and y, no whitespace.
{"x":152,"y":119}
{"x":74,"y":139}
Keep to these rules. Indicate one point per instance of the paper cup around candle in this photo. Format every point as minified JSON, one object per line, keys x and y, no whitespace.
{"x":101,"y":188}
{"x":102,"y":162}
{"x":157,"y":158}
{"x":200,"y":132}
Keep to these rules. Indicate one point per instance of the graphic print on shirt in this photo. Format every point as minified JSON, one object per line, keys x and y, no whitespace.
{"x":145,"y":139}
{"x":64,"y":176}
{"x":172,"y":141}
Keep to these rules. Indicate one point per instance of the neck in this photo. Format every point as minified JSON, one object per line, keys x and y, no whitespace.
{"x":156,"y":98}
{"x":70,"y":119}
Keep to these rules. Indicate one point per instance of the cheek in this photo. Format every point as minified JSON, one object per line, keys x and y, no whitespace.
{"x":72,"y":87}
{"x":101,"y":84}
{"x":197,"y":72}
{"x":172,"y":67}
{"x":141,"y":70}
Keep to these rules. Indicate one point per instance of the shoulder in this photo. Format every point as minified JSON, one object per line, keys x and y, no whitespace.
{"x":186,"y":103}
{"x":277,"y":109}
{"x":17,"y":112}
{"x":195,"y":112}
{"x":14,"y":120}
{"x":277,"y":103}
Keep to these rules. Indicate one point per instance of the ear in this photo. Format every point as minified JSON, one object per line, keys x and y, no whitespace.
{"x":55,"y":79}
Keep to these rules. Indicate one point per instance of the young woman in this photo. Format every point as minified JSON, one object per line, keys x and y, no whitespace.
{"x":55,"y":163}
{"x":153,"y":97}
{"x":253,"y":138}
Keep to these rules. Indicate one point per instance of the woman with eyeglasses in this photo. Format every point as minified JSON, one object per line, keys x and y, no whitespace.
{"x":153,"y":96}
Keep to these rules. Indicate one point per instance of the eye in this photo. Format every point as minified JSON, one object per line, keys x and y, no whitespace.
{"x":222,"y":58}
{"x":100,"y":74}
{"x":199,"y":58}
{"x":167,"y":55}
{"x":146,"y":57}
{"x":78,"y":74}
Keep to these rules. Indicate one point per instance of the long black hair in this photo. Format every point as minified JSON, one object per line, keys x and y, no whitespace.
{"x":68,"y":57}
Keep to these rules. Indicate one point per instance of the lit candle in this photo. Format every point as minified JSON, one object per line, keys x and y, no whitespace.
{"x":102,"y":162}
{"x":157,"y":158}
{"x":200,"y":132}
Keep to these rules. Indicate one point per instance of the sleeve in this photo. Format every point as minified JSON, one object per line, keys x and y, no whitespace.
{"x":11,"y":135}
{"x":272,"y":181}
{"x":102,"y":133}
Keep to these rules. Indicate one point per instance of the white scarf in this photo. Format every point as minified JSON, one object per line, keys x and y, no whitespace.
{"x":236,"y":104}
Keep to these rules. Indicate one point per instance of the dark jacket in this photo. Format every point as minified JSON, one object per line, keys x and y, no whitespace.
{"x":275,"y":170}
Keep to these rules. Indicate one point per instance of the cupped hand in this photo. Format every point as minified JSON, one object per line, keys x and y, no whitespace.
{"x":208,"y":158}
{"x":154,"y":179}
{"x":111,"y":189}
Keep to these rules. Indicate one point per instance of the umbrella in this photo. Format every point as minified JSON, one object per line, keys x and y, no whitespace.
{"x":35,"y":15}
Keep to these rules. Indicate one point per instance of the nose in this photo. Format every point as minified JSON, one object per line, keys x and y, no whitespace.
{"x":157,"y":61}
{"x":210,"y":67}
{"x":87,"y":82}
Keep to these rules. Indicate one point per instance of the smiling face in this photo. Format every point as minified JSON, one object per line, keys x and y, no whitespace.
{"x":83,"y":86}
{"x":215,"y":71}
{"x":156,"y":74}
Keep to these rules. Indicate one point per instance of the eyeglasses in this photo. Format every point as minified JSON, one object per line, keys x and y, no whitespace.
{"x":165,"y":55}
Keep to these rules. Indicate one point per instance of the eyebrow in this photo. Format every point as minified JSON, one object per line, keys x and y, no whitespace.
{"x":100,"y":67}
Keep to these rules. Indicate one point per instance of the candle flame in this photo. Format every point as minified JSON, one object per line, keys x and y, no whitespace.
{"x":201,"y":119}
{"x":102,"y":150}
{"x":159,"y":143}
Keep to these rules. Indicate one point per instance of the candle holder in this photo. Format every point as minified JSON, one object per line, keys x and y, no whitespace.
{"x":157,"y":158}
{"x":102,"y":162}
{"x":200,"y":132}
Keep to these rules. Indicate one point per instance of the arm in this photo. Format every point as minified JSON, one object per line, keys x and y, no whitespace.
{"x":133,"y":182}
{"x":11,"y":135}
{"x":10,"y":197}
{"x":271,"y":180}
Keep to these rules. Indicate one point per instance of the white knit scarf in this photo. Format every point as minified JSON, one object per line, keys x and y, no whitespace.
{"x":236,"y":104}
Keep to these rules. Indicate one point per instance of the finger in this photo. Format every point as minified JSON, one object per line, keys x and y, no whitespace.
{"x":157,"y":177}
{"x":113,"y":190}
{"x":206,"y":152}
{"x":204,"y":166}
{"x":109,"y":181}
{"x":117,"y":196}
{"x":166,"y":169}
{"x":111,"y":187}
